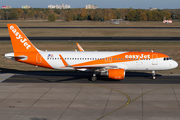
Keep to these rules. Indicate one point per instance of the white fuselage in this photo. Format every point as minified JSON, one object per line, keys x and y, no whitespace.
{"x":73,"y":58}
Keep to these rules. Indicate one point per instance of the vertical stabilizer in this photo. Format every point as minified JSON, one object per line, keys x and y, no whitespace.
{"x":19,"y":40}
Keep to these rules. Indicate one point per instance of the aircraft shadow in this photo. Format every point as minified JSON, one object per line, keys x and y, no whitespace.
{"x":81,"y":77}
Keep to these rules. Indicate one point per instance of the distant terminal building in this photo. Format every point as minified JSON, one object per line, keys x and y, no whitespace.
{"x":92,"y":6}
{"x":6,"y":7}
{"x":62,"y":6}
{"x":25,"y":7}
{"x":151,"y":9}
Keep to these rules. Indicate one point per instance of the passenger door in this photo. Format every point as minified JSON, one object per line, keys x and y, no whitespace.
{"x":38,"y":59}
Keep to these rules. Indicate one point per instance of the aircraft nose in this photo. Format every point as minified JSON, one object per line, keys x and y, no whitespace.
{"x":174,"y":64}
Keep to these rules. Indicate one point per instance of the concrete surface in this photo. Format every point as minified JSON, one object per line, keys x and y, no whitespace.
{"x":79,"y":99}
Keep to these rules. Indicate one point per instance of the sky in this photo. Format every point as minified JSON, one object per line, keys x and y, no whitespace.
{"x":142,"y":4}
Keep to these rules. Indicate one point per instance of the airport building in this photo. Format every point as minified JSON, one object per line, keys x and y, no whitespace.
{"x":6,"y":7}
{"x":151,"y":9}
{"x":62,"y":6}
{"x":25,"y":7}
{"x":92,"y":6}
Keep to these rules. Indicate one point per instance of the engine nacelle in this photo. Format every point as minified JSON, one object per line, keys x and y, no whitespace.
{"x":117,"y":74}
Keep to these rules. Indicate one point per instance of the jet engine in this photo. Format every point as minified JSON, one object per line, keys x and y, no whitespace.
{"x":117,"y":74}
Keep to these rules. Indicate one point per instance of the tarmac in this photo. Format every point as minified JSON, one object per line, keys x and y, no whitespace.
{"x":37,"y":96}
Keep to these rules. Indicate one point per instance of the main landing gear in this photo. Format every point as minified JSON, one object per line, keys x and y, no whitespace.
{"x":93,"y":77}
{"x":153,"y":75}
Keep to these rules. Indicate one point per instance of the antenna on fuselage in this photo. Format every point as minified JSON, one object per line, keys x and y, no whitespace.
{"x":152,"y":51}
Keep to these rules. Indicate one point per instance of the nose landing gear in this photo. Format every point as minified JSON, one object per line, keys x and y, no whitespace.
{"x":153,"y":75}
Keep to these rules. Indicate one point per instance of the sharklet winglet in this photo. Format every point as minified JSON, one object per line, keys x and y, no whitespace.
{"x":64,"y":62}
{"x":79,"y":47}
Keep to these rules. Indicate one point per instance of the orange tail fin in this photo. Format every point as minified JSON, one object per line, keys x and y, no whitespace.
{"x":19,"y":40}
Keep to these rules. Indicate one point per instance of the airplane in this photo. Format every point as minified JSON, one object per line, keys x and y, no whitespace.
{"x":111,"y":64}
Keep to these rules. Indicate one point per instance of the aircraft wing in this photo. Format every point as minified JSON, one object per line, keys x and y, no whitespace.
{"x":87,"y":67}
{"x":94,"y":67}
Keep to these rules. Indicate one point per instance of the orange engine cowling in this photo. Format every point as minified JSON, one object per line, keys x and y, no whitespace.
{"x":118,"y":74}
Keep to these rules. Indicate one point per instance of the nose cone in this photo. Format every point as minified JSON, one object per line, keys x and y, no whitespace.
{"x":174,"y":64}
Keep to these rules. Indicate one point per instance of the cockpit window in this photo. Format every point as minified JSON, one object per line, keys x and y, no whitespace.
{"x":167,"y":59}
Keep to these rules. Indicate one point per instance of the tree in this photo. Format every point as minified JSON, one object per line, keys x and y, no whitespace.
{"x":143,"y":16}
{"x":69,"y":16}
{"x":51,"y":17}
{"x":45,"y":15}
{"x":106,"y":15}
{"x":92,"y":14}
{"x":13,"y":14}
{"x":156,"y":15}
{"x":166,"y":14}
{"x":74,"y":14}
{"x":30,"y":14}
{"x":98,"y":15}
{"x":2,"y":15}
{"x":131,"y":15}
{"x":149,"y":15}
{"x":20,"y":13}
{"x":113,"y":14}
{"x":83,"y":13}
{"x":79,"y":17}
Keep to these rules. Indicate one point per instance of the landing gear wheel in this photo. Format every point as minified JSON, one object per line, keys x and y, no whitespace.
{"x":153,"y":75}
{"x":93,"y":78}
